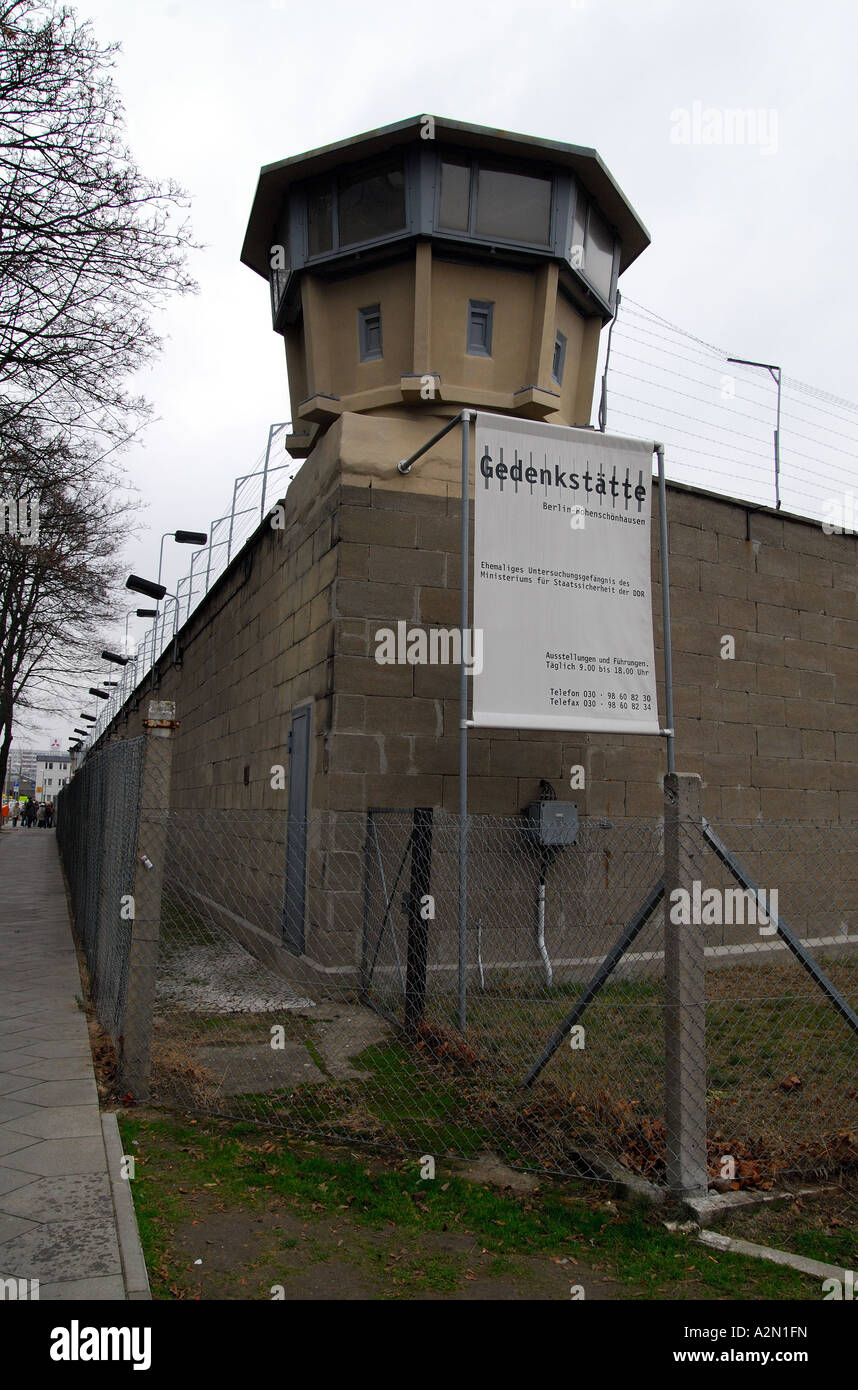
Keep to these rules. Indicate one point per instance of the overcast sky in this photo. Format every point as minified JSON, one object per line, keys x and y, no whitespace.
{"x":747,"y":241}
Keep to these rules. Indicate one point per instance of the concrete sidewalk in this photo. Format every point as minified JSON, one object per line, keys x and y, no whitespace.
{"x":66,"y":1218}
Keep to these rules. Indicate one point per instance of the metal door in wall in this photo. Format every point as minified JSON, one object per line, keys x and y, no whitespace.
{"x":296,"y":830}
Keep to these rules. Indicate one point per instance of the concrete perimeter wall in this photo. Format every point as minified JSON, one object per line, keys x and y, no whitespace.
{"x":773,"y":733}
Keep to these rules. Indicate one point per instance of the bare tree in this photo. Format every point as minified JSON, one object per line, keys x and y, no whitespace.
{"x":89,"y":247}
{"x":57,"y":589}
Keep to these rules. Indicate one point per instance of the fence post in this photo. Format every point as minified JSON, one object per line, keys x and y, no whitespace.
{"x":684,"y":989}
{"x":148,"y":885}
{"x":418,"y":923}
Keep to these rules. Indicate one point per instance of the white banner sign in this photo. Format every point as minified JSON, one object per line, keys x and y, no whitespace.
{"x":562,"y":579}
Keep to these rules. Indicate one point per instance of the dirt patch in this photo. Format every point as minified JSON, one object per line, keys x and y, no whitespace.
{"x":345,"y":1033}
{"x":256,"y":1067}
{"x":488,"y":1168}
{"x":275,"y":1254}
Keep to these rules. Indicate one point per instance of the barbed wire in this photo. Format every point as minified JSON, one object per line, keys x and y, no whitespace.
{"x":670,"y":384}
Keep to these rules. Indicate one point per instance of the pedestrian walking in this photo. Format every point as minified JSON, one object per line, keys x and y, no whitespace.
{"x":41,"y":815}
{"x":16,"y":813}
{"x":49,"y":815}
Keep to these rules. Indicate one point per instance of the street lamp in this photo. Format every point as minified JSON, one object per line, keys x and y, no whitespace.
{"x":141,"y":613}
{"x":158,"y":591}
{"x":102,"y":694}
{"x":145,"y":586}
{"x":116,"y":658}
{"x":181,"y":538}
{"x":775,"y":373}
{"x":90,"y":717}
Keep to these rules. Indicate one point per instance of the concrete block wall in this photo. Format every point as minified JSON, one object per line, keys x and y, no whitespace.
{"x":773,"y":732}
{"x":772,"y":729}
{"x":260,"y":645}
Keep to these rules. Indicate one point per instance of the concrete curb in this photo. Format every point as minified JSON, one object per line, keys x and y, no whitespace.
{"x":779,"y":1257}
{"x":130,"y":1250}
{"x":714,"y":1203}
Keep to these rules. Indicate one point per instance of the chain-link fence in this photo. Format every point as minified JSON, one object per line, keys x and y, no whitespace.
{"x":587,"y":1018}
{"x":781,"y":998}
{"x":97,"y":815}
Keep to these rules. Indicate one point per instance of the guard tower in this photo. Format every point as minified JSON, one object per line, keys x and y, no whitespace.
{"x":432,"y":265}
{"x":414,"y":271}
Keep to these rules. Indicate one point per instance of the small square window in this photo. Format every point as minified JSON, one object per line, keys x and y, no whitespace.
{"x":480,"y":317}
{"x":369,"y":333}
{"x":559,"y":359}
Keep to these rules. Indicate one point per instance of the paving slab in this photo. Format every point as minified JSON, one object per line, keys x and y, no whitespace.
{"x":61,"y":1249}
{"x":13,"y":1226}
{"x":37,"y":1047}
{"x":10,"y":1140}
{"x":11,"y":1109}
{"x":52,"y":1069}
{"x":10,"y":1082}
{"x":10,"y":1178}
{"x":51,"y":1094}
{"x":52,"y":1157}
{"x":60,"y":1122}
{"x":108,"y":1288}
{"x":58,"y":1206}
{"x":48,"y":1199}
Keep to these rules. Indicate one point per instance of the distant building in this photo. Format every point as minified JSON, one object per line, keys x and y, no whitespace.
{"x":37,"y":773}
{"x":21,"y":768}
{"x":53,"y":770}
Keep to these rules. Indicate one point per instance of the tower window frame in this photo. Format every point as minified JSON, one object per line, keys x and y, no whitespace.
{"x":559,"y":360}
{"x":325,"y":236}
{"x":471,"y":213}
{"x":481,"y":313}
{"x":589,"y":226}
{"x":370,"y":340}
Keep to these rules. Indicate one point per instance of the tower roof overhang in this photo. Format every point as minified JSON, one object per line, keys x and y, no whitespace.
{"x":275,"y":180}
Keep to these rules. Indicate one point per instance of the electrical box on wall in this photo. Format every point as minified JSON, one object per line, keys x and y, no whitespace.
{"x":553,"y":822}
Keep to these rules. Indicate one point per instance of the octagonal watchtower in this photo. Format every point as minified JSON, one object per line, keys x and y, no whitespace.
{"x":432,"y":265}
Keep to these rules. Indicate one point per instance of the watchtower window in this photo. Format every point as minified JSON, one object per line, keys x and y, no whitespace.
{"x":515,"y":207}
{"x":320,"y":202}
{"x":592,"y":248}
{"x":480,"y":323}
{"x":355,"y":206}
{"x":369,"y":333}
{"x":599,"y":253}
{"x":454,"y":205}
{"x":371,"y":204}
{"x":559,"y":359}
